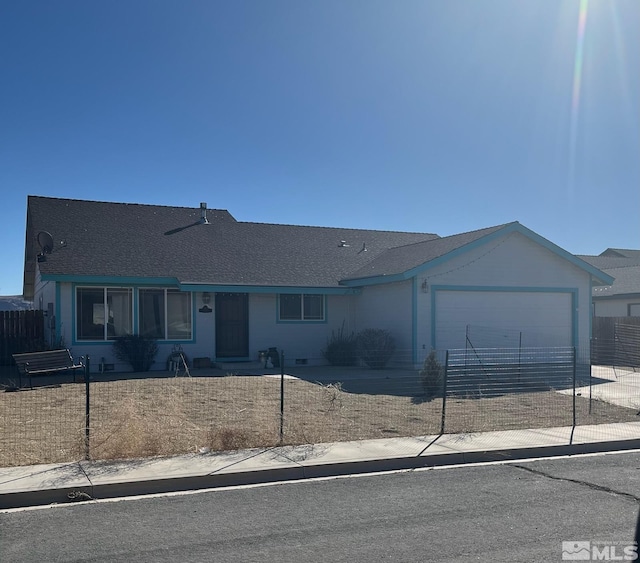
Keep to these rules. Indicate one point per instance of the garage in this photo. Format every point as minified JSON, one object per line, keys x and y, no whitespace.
{"x":502,"y":317}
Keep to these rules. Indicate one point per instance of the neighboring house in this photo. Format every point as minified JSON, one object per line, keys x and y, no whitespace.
{"x":622,"y":297}
{"x":14,"y":303}
{"x":226,"y":289}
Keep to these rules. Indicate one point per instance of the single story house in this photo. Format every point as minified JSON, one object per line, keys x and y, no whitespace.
{"x":225,"y":289}
{"x":621,"y":298}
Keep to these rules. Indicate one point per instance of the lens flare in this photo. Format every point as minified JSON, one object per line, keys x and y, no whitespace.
{"x":575,"y":96}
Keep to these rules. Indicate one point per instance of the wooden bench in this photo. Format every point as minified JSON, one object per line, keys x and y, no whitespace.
{"x":45,"y":363}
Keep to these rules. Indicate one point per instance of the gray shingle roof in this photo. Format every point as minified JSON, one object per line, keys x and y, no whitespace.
{"x":100,"y":239}
{"x":623,"y":252}
{"x":625,"y":270}
{"x":627,"y":282}
{"x":608,"y":262}
{"x":128,"y":243}
{"x":402,"y":259}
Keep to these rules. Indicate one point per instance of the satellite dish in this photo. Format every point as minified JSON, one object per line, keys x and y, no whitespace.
{"x":45,"y":241}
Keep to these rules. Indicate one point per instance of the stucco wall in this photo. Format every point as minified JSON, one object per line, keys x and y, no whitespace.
{"x":44,"y":299}
{"x":388,"y":307}
{"x":614,"y":307}
{"x":298,"y":340}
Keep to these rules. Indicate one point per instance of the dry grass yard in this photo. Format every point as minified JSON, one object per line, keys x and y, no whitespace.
{"x":164,"y":416}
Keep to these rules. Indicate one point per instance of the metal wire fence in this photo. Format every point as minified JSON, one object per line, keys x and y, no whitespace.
{"x":129,"y":415}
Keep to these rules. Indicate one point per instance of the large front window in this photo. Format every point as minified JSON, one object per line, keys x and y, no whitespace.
{"x":103,"y":313}
{"x":305,"y":307}
{"x":165,"y":314}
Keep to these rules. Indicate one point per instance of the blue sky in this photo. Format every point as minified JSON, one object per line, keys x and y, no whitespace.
{"x":432,"y":116}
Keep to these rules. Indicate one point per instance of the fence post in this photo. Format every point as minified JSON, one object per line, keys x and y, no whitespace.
{"x":574,"y":386}
{"x":520,"y":359}
{"x":281,"y":396}
{"x":590,"y":373}
{"x":444,"y":392}
{"x":87,"y":410}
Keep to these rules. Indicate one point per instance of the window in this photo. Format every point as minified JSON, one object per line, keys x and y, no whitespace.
{"x":103,"y":313}
{"x":634,"y":309}
{"x":165,"y":314}
{"x":304,"y":307}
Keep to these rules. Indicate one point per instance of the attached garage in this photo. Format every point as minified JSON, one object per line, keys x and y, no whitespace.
{"x":503,"y":317}
{"x":499,"y":287}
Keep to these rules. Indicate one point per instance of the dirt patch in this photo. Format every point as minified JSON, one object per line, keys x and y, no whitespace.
{"x":166,"y":416}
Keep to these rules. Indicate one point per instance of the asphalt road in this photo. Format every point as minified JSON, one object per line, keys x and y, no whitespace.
{"x":517,"y":512}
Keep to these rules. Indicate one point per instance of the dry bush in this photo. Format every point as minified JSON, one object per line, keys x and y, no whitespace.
{"x":43,"y":425}
{"x":130,"y":433}
{"x":226,"y":439}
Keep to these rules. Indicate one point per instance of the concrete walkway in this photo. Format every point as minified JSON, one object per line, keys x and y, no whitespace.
{"x":616,"y":386}
{"x":63,"y":483}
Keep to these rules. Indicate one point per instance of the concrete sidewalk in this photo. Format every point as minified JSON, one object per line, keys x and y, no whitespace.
{"x":63,"y":483}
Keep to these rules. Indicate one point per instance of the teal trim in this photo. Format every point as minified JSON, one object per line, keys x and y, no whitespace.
{"x":269,"y":289}
{"x":135,"y":319}
{"x":414,"y":320}
{"x":505,"y":288}
{"x":459,"y":251}
{"x":574,"y":291}
{"x":592,"y":308}
{"x":574,"y":317}
{"x":58,"y":309}
{"x":374,"y":280}
{"x":194,"y":316}
{"x":73,"y":315}
{"x":302,"y":321}
{"x":113,"y":280}
{"x":432,"y":338}
{"x":604,"y":278}
{"x":135,"y":316}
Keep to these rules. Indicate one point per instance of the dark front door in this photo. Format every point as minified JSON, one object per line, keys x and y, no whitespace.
{"x":232,"y":325}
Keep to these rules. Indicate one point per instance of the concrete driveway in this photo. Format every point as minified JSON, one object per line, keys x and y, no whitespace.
{"x":617,"y":386}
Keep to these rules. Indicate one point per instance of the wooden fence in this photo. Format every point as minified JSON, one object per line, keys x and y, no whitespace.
{"x":616,"y":341}
{"x":20,"y":331}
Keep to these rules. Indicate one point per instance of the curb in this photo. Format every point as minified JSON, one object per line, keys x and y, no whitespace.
{"x":300,"y":472}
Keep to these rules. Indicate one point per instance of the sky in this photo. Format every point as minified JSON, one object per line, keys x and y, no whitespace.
{"x":428,"y":116}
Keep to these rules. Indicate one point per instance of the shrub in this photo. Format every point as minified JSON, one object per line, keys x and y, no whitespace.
{"x":375,"y":347}
{"x":341,"y":349}
{"x":136,"y":350}
{"x":432,"y":376}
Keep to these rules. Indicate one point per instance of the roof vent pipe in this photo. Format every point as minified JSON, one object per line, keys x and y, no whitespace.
{"x":203,"y":213}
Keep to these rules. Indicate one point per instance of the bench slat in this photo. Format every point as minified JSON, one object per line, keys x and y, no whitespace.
{"x":53,"y":370}
{"x":52,"y":361}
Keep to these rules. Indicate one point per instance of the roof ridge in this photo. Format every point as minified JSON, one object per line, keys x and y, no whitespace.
{"x":440,"y":239}
{"x":78,"y":200}
{"x":336,"y":228}
{"x":634,"y":265}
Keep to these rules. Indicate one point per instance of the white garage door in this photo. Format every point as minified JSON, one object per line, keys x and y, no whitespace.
{"x":496,"y":318}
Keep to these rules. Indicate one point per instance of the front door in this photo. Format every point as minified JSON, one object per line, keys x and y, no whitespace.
{"x":232,"y":325}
